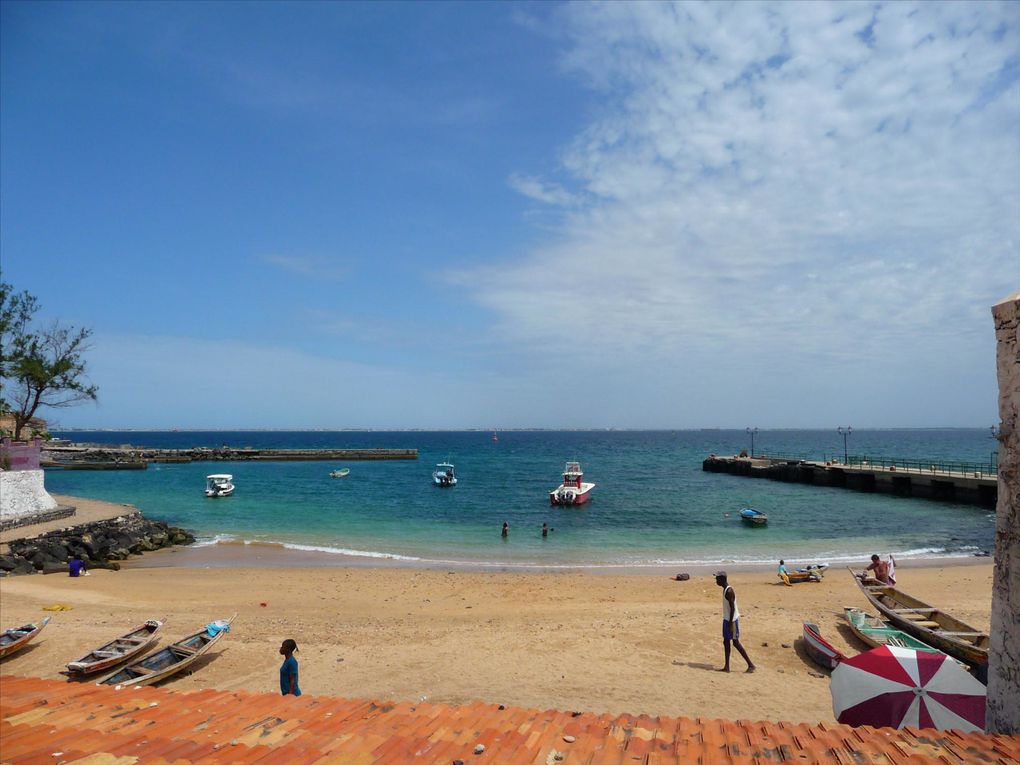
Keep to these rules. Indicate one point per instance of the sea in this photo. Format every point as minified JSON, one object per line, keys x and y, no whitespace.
{"x":652,"y":505}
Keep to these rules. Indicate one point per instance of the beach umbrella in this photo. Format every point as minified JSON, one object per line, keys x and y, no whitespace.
{"x":894,"y":687}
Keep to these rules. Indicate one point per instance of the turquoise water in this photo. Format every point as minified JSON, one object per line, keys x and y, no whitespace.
{"x":652,"y":504}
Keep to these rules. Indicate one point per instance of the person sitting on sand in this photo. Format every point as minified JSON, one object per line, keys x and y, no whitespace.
{"x":784,"y":574}
{"x":76,"y":567}
{"x":881,"y":569}
{"x":731,"y":623}
{"x":289,"y":669}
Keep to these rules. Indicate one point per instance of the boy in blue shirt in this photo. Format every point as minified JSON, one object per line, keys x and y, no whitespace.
{"x":76,"y":567}
{"x":289,"y":669}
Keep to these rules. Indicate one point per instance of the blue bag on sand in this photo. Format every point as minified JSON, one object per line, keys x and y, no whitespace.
{"x":214,"y":628}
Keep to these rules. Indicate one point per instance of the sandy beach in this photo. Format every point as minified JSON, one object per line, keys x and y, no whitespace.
{"x":616,"y":643}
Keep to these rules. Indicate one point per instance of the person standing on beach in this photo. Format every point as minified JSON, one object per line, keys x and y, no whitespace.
{"x":731,"y":623}
{"x":289,"y":669}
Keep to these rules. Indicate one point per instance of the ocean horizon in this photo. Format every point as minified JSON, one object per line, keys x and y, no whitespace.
{"x":652,"y":506}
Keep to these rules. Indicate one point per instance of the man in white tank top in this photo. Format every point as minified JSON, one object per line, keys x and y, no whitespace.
{"x":731,"y":623}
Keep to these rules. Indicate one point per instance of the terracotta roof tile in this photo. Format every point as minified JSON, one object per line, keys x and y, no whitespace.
{"x":157,"y":726}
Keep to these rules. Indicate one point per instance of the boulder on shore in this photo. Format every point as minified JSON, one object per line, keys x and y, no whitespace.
{"x":99,"y":544}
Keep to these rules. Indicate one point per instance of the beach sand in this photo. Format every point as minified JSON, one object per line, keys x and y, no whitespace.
{"x":574,"y":641}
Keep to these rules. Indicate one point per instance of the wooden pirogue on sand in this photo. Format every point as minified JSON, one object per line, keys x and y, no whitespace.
{"x":14,"y":640}
{"x":170,"y":660}
{"x":929,"y":625}
{"x":132,"y":643}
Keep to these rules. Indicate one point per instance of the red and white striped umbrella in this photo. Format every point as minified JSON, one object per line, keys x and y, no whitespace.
{"x":894,"y":687}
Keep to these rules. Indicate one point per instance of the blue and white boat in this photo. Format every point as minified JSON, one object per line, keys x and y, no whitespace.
{"x":444,"y":475}
{"x":756,"y":517}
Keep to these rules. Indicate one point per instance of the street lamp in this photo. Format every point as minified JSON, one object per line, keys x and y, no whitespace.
{"x":752,"y":431}
{"x":993,"y":458}
{"x":845,"y":432}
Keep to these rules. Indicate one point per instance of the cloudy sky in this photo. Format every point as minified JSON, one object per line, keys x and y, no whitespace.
{"x":517,"y":215}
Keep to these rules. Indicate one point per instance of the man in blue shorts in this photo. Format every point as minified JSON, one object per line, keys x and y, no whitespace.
{"x":731,"y":623}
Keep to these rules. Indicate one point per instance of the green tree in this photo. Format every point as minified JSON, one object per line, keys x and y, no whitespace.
{"x":42,"y":367}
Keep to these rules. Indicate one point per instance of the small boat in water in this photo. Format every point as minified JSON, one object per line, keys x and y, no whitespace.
{"x":341,"y":473}
{"x":219,"y":485}
{"x":444,"y":475}
{"x":822,"y":653}
{"x":13,"y":640}
{"x":573,"y":490}
{"x":926,"y":623}
{"x":754,"y":517}
{"x":132,"y":643}
{"x":170,"y":660}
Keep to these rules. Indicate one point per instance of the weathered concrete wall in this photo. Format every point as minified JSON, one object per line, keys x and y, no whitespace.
{"x":23,"y":493}
{"x":1004,"y":650}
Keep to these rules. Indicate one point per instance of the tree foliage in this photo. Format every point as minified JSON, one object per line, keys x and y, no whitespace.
{"x":39,"y":367}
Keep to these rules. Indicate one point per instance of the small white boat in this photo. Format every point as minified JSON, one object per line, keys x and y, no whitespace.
{"x":341,"y":473}
{"x":444,"y":475}
{"x":219,"y":485}
{"x":573,"y":490}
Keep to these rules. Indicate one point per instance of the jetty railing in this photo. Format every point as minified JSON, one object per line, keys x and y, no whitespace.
{"x":920,"y":465}
{"x":946,"y":467}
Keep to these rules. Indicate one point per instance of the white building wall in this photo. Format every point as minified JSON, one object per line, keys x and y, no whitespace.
{"x":23,"y":493}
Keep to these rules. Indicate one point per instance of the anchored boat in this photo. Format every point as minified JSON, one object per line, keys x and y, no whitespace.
{"x":573,"y":490}
{"x":219,"y":485}
{"x":754,"y":517}
{"x":444,"y":475}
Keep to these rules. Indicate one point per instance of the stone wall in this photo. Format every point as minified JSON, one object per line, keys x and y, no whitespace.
{"x":1004,"y":651}
{"x":23,"y":495}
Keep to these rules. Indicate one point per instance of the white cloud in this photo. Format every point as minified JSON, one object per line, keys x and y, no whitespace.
{"x":819,"y":181}
{"x":540,"y":191}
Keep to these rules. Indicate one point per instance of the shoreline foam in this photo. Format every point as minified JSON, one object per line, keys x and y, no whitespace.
{"x":239,"y":553}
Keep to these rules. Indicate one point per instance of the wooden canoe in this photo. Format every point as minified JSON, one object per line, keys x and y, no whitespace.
{"x":819,"y":649}
{"x":129,"y":645}
{"x":926,"y":623}
{"x":14,"y":640}
{"x":876,"y":632}
{"x":165,"y":662}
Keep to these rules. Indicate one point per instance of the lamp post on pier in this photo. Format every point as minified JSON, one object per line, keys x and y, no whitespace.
{"x":994,"y":432}
{"x":845,"y":432}
{"x":752,"y":431}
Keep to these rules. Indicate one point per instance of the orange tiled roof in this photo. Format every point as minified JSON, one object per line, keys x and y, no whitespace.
{"x":53,"y":722}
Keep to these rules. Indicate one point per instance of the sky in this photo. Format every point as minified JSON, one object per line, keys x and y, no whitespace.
{"x":500,"y":215}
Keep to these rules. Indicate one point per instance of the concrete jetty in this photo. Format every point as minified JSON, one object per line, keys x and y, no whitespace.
{"x":85,"y":457}
{"x":938,"y":482}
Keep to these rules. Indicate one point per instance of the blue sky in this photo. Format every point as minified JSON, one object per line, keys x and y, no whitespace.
{"x":445,"y":215}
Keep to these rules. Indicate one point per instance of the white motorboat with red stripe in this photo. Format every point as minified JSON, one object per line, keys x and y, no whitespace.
{"x":573,"y":490}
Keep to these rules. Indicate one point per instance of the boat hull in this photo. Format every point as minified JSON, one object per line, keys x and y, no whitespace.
{"x":819,"y":649}
{"x":165,"y":662}
{"x":129,"y":645}
{"x":20,"y":637}
{"x":929,"y":625}
{"x":876,"y":633}
{"x":569,"y":496}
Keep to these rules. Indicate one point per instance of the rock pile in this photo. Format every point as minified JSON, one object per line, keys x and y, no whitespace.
{"x":100,"y":545}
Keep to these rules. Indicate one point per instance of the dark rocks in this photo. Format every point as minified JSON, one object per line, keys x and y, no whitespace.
{"x":12,"y":564}
{"x":99,"y":544}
